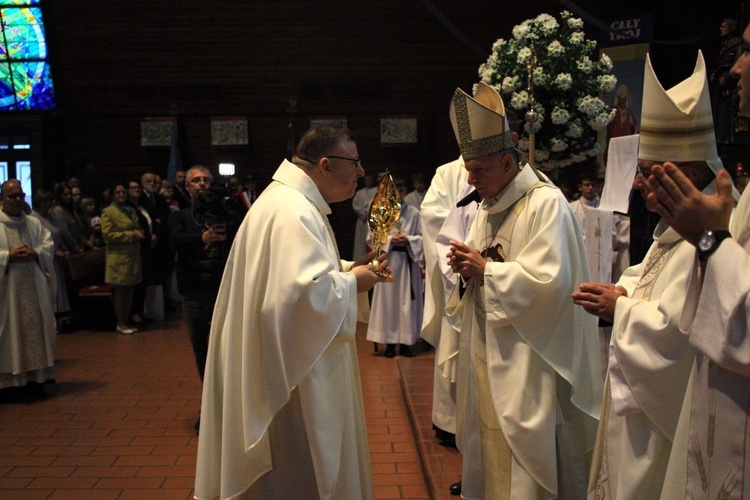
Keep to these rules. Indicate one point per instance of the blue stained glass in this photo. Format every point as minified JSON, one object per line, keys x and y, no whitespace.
{"x":7,"y":96}
{"x":25,"y":79}
{"x":33,"y":85}
{"x":24,"y":35}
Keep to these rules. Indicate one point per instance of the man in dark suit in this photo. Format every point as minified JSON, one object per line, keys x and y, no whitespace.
{"x":181,"y":194}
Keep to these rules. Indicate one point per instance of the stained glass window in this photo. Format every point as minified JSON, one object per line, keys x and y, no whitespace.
{"x":25,"y":79}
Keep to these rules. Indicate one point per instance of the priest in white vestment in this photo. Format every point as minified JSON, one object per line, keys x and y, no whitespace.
{"x":439,"y":199}
{"x":588,"y":199}
{"x":709,"y":456}
{"x":396,"y":309}
{"x":27,"y":294}
{"x":282,"y":413}
{"x":650,"y":359}
{"x":533,"y":378}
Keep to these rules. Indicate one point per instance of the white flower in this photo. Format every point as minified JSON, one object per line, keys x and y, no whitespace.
{"x":591,"y":105}
{"x":585,"y":65}
{"x":557,"y":146}
{"x":576,"y":38}
{"x":520,"y":100}
{"x":575,"y":23}
{"x":521,"y":31}
{"x":539,"y":77}
{"x":523,"y":55}
{"x":498,"y":45}
{"x":555,"y":49}
{"x":574,"y":131}
{"x":607,"y":83}
{"x":548,"y":24}
{"x":564,"y":81}
{"x":510,"y":83}
{"x":559,"y":116}
{"x":568,"y":99}
{"x":601,"y":120}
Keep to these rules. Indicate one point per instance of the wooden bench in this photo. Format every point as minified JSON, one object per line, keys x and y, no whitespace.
{"x":87,"y":273}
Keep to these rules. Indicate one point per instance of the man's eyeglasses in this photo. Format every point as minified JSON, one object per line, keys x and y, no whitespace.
{"x":134,"y":187}
{"x":357,"y":162}
{"x":197,"y":180}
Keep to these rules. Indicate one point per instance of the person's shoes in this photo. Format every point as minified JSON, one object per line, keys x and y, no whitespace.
{"x":390,"y":351}
{"x":136,"y":319}
{"x":125,"y":330}
{"x":405,"y":351}
{"x":32,"y":392}
{"x":455,"y":489}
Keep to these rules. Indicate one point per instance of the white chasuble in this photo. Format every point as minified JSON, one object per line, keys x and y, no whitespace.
{"x":282,"y":406}
{"x":649,"y":367}
{"x":27,"y":291}
{"x":439,"y":199}
{"x":537,"y":345}
{"x":710,"y":453}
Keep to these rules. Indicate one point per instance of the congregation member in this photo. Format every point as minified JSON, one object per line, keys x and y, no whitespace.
{"x":649,"y":358}
{"x":148,"y":261}
{"x":64,"y":214}
{"x":27,"y":295}
{"x":522,"y":339}
{"x":282,"y":415}
{"x":122,"y":269}
{"x":42,"y":202}
{"x":709,"y":456}
{"x":396,"y":311}
{"x":180,"y":189}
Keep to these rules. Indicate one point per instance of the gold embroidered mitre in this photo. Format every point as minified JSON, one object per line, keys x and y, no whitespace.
{"x":479,"y":122}
{"x":677,"y":124}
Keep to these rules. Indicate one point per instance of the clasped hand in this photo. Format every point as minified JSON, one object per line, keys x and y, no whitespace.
{"x":599,"y":299}
{"x":24,"y":253}
{"x":466,"y":261}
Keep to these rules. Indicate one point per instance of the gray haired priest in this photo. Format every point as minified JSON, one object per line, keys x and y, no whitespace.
{"x":650,"y":359}
{"x":528,"y":372}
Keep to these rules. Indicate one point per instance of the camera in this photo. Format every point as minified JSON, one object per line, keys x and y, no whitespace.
{"x":215,"y":205}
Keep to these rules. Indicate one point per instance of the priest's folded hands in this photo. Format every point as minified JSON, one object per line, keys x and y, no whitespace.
{"x":599,"y":299}
{"x":466,"y":261}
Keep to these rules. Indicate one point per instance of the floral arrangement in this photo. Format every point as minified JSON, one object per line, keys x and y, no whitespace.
{"x":567,"y":84}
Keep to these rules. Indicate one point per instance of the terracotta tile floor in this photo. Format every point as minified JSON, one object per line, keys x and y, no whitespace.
{"x":120,"y":422}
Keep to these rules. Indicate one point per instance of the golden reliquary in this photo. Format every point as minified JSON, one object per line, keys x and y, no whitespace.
{"x":384,"y":215}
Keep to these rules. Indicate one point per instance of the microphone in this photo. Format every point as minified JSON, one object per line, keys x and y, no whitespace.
{"x":473,"y":196}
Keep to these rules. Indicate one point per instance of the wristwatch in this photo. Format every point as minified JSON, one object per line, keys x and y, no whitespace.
{"x":709,"y":241}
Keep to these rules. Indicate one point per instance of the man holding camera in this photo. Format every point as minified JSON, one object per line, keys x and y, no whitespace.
{"x":202,"y":241}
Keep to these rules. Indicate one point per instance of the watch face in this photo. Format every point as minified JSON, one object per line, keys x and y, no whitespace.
{"x":706,"y":241}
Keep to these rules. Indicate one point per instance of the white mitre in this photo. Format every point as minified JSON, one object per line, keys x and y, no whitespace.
{"x":677,"y":124}
{"x":479,"y":122}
